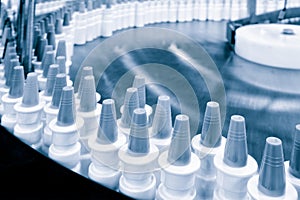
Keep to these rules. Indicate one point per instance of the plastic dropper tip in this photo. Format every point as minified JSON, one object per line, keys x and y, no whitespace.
{"x":272,"y":180}
{"x":37,"y":35}
{"x":180,"y":151}
{"x":53,"y":71}
{"x":211,"y":129}
{"x":236,"y":152}
{"x":162,"y":120}
{"x":86,"y":71}
{"x":65,"y":115}
{"x":41,"y":48}
{"x":31,"y":94}
{"x":51,"y":36}
{"x":61,"y":61}
{"x":61,"y":48}
{"x":88,"y":96}
{"x":48,"y":60}
{"x":60,"y":83}
{"x":17,"y":82}
{"x":294,"y":167}
{"x":66,"y":21}
{"x":108,"y":130}
{"x":139,"y":83}
{"x":139,"y":135}
{"x":131,"y":102}
{"x":58,"y":26}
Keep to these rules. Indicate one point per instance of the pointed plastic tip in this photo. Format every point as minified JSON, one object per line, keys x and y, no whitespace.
{"x":66,"y":21}
{"x":61,"y":61}
{"x":61,"y":49}
{"x":17,"y":82}
{"x":31,"y":95}
{"x":272,"y":173}
{"x":53,"y":71}
{"x":9,"y":70}
{"x":131,"y":102}
{"x":88,"y":101}
{"x":41,"y":48}
{"x":236,"y":152}
{"x":86,"y":71}
{"x":108,"y":130}
{"x":139,"y":83}
{"x":211,"y":129}
{"x":60,"y":83}
{"x":48,"y":60}
{"x":162,"y":120}
{"x":37,"y":36}
{"x":58,"y":26}
{"x":180,"y":151}
{"x":65,"y":115}
{"x":51,"y":39}
{"x":294,"y":167}
{"x":139,"y":135}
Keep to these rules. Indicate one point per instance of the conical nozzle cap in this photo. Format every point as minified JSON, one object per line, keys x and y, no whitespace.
{"x":131,"y":102}
{"x":139,"y":135}
{"x":58,"y":26}
{"x":17,"y":83}
{"x":61,"y":61}
{"x":211,"y":129}
{"x":88,"y":99}
{"x":31,"y":91}
{"x":48,"y":60}
{"x":53,"y":71}
{"x":180,"y":149}
{"x":8,"y":62}
{"x":40,"y":49}
{"x":294,"y":167}
{"x":61,"y":48}
{"x":65,"y":115}
{"x":66,"y":21}
{"x":10,"y":67}
{"x":37,"y":36}
{"x":272,"y":173}
{"x":108,"y":130}
{"x":139,"y":83}
{"x":236,"y":151}
{"x":86,"y":71}
{"x":162,"y":120}
{"x":43,"y":27}
{"x":60,"y":83}
{"x":51,"y":36}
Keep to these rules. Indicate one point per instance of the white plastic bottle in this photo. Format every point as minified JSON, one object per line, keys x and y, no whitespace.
{"x":65,"y":147}
{"x":105,"y":165}
{"x":206,"y":145}
{"x":178,"y":165}
{"x":271,"y":182}
{"x":138,"y":160}
{"x":51,"y":110}
{"x":15,"y":94}
{"x":234,"y":167}
{"x":29,"y":125}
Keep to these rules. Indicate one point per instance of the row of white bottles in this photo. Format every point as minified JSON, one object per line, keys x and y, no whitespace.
{"x":263,"y":6}
{"x":91,"y":22}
